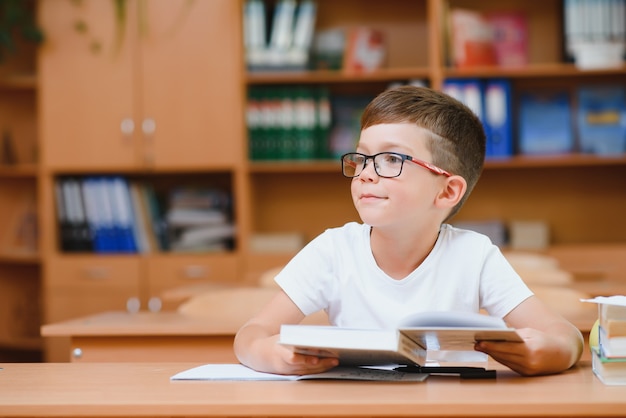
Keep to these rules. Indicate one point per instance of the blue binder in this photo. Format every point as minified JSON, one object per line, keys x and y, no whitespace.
{"x":122,"y":211}
{"x":498,"y":118}
{"x":545,"y":123}
{"x":602,"y":119}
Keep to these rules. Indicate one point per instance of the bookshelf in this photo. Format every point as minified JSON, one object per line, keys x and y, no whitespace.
{"x":578,"y":195}
{"x":20,"y":258}
{"x":169,"y":109}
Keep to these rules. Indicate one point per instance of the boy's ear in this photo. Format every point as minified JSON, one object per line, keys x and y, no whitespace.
{"x":452,"y":192}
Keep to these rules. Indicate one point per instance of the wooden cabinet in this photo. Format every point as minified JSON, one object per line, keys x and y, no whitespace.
{"x":83,"y":285}
{"x":189,"y":271}
{"x":155,"y":86}
{"x":150,"y":91}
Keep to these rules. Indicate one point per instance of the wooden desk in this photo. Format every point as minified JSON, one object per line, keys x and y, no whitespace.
{"x":147,"y":337}
{"x":144,"y":389}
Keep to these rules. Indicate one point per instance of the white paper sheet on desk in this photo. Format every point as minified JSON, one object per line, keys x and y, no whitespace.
{"x":241,"y":372}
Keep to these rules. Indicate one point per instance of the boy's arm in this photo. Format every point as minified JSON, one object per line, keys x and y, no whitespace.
{"x":256,"y":341}
{"x":551,"y":343}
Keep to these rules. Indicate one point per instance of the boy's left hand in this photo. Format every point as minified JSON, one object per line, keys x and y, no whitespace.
{"x":540,"y":353}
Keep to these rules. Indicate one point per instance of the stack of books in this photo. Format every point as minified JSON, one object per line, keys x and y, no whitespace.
{"x":609,"y":357}
{"x":199,"y":219}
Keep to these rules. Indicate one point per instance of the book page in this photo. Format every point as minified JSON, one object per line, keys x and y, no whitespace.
{"x":241,"y":372}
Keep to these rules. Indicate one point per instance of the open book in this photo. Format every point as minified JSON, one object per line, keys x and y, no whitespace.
{"x":408,"y":344}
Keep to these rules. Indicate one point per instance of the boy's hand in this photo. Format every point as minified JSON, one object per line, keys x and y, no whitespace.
{"x":300,"y":364}
{"x":540,"y":353}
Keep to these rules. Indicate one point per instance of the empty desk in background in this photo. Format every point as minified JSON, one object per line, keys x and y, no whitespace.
{"x":147,"y":336}
{"x":201,"y":329}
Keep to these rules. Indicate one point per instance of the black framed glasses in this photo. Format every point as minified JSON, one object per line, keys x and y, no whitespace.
{"x":386,"y":164}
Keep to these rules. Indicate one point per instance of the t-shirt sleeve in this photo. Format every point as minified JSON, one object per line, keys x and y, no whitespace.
{"x":307,"y":278}
{"x":502,"y":289}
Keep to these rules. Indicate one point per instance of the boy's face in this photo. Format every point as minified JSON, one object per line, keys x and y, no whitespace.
{"x":402,"y":201}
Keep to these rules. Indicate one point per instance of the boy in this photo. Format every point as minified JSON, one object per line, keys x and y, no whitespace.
{"x":419,"y":155}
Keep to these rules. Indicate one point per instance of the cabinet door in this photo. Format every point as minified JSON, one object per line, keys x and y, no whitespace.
{"x":192,"y":90}
{"x":86,"y":85}
{"x":172,"y":279}
{"x":79,"y":286}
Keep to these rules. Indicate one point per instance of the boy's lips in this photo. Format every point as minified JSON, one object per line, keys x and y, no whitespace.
{"x":369,"y":196}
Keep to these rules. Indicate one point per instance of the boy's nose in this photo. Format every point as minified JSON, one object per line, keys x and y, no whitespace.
{"x":369,"y":172}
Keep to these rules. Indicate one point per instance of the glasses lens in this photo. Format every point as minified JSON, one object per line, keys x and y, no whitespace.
{"x":388,"y":164}
{"x":352,"y":164}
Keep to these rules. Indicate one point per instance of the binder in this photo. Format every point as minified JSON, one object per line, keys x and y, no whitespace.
{"x":498,"y":118}
{"x":468,"y":91}
{"x":122,"y":213}
{"x":601,"y":119}
{"x":281,"y":37}
{"x":76,"y":235}
{"x":99,"y":215}
{"x":545,"y":125}
{"x":64,"y":227}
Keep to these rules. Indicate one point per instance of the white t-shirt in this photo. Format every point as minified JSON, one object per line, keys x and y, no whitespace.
{"x":337,"y":272}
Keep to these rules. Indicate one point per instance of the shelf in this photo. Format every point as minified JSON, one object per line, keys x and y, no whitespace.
{"x":19,"y":82}
{"x":18,"y":171}
{"x":142,"y":171}
{"x":532,"y":71}
{"x":313,"y":77}
{"x":548,"y":161}
{"x":19,"y":258}
{"x":547,"y":70}
{"x":317,"y":166}
{"x":520,"y":161}
{"x":23,"y":343}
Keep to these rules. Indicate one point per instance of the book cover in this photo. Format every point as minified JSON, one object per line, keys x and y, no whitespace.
{"x":353,"y":347}
{"x":611,"y":347}
{"x":609,"y":371}
{"x":365,"y":50}
{"x":408,"y":344}
{"x":509,"y":37}
{"x":471,"y":39}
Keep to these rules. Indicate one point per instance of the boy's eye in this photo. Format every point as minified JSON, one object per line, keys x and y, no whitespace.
{"x":392,"y":158}
{"x":358,"y":159}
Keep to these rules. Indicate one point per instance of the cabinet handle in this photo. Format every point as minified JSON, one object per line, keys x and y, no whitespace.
{"x":97,"y":273}
{"x":195,"y":272}
{"x":127,"y":126}
{"x":148,"y":126}
{"x":133,"y":305}
{"x":77,"y":353}
{"x":154,"y":304}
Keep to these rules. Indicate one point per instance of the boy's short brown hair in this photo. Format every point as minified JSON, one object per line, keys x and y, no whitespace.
{"x":456,"y":138}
